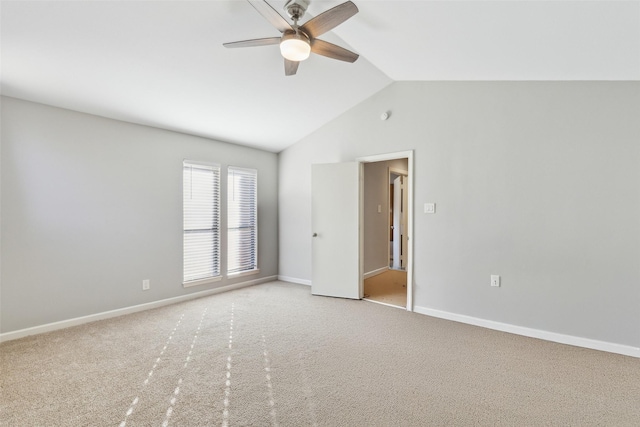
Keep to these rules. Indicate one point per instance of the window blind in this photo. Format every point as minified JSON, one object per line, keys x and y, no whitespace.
{"x":242,"y":220}
{"x":201,"y":217}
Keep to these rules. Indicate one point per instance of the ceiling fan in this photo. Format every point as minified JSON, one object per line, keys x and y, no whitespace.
{"x":298,"y":41}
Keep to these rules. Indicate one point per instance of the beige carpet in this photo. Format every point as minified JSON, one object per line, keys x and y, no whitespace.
{"x":275,"y":355}
{"x":389,"y":287}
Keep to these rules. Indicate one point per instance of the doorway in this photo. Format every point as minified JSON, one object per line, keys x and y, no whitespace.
{"x":388,"y":288}
{"x":338,"y":240}
{"x":385,"y":236}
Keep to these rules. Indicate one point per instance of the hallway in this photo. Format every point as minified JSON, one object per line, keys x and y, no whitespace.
{"x":389,"y":287}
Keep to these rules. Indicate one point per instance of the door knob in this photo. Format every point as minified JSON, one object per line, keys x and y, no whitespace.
{"x":315,"y":234}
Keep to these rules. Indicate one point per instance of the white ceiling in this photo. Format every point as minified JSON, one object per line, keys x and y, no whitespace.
{"x":161,"y":63}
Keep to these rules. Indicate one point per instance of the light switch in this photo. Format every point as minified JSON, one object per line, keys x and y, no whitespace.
{"x":379,"y":208}
{"x":430,"y":208}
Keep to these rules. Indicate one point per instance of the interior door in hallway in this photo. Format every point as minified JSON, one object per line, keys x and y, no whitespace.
{"x":335,"y":226}
{"x":398,"y":202}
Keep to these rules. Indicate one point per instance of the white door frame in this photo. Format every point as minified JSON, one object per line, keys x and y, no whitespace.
{"x":382,"y":158}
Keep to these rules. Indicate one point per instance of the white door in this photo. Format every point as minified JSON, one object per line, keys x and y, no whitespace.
{"x":397,"y":215}
{"x":400,"y":219}
{"x":403,"y":223}
{"x":335,"y":261}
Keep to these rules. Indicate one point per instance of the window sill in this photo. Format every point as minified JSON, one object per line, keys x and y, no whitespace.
{"x":202,"y":281}
{"x":243,"y":273}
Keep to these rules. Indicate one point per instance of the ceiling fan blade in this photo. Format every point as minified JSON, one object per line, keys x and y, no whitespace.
{"x":290,"y":67}
{"x":271,"y":15}
{"x":330,"y":19}
{"x":253,"y":42}
{"x":331,"y":50}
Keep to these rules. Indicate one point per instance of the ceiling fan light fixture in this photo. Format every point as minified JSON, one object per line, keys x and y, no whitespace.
{"x":295,"y":46}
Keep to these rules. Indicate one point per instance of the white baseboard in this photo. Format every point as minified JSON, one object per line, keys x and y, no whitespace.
{"x":8,"y":336}
{"x":376,"y":272}
{"x":533,"y":333}
{"x":294,"y":280}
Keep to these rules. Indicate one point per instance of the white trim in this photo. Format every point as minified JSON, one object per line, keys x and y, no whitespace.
{"x":294,"y":280}
{"x":243,"y":273}
{"x":207,"y":165}
{"x":360,"y":229}
{"x":8,"y":336}
{"x":376,"y":272}
{"x":393,"y":156}
{"x":385,"y":157}
{"x":533,"y":333}
{"x":206,"y":281}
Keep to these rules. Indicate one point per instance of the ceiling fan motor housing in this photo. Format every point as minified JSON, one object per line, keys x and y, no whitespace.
{"x":296,"y":8}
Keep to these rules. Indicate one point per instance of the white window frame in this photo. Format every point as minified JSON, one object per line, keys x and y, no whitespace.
{"x":189,"y":277}
{"x":233,"y":227}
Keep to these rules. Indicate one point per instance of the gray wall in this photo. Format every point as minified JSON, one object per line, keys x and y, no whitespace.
{"x":538,"y":182}
{"x":92,"y":206}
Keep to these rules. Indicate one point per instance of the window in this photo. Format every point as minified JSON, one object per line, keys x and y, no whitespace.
{"x":201,"y":217}
{"x":242,"y":220}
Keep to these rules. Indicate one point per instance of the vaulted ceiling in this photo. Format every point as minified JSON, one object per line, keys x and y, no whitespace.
{"x":162,"y":63}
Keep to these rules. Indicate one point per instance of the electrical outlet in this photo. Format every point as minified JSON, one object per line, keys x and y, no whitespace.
{"x":495,"y":280}
{"x":146,"y":285}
